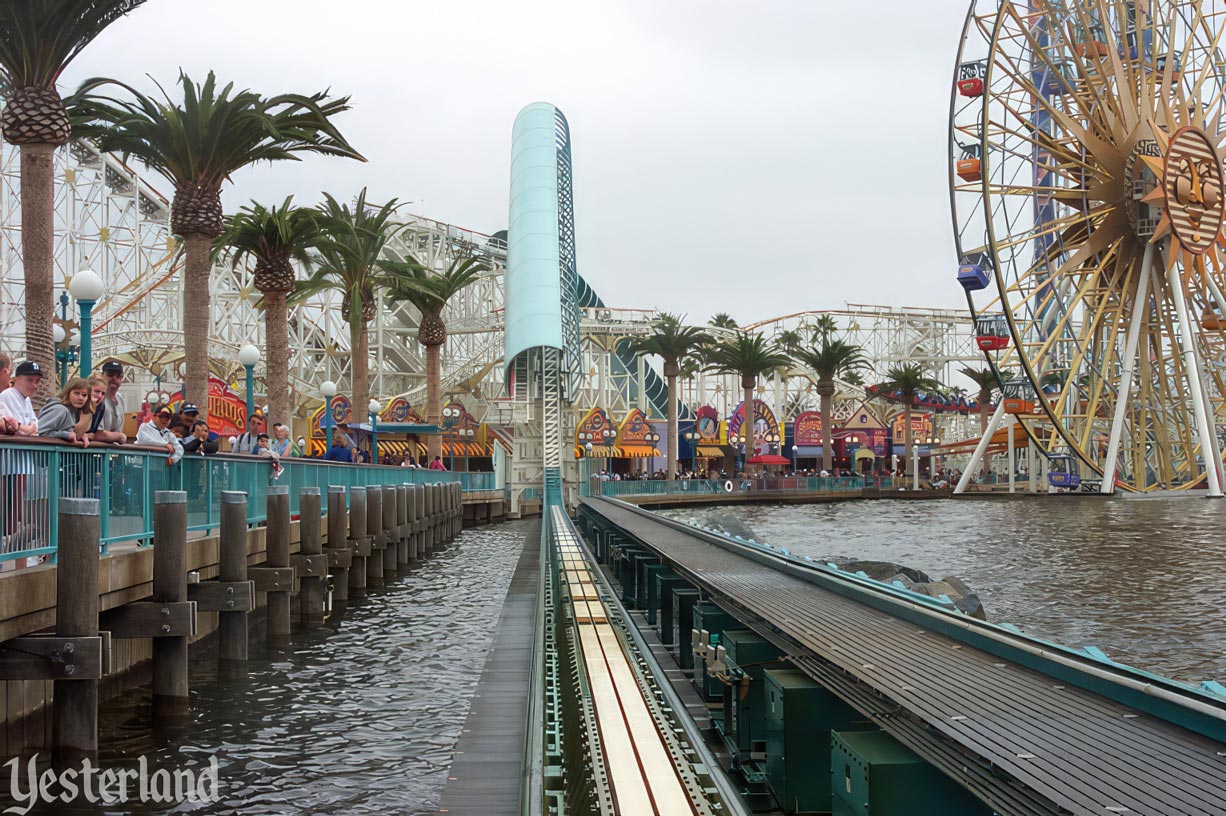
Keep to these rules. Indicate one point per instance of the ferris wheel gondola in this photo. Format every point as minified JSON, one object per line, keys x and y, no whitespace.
{"x":1098,"y":213}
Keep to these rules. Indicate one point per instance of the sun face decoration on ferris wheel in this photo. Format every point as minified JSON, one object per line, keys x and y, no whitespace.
{"x":1087,"y":192}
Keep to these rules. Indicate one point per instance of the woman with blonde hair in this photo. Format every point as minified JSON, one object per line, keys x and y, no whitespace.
{"x":61,"y":415}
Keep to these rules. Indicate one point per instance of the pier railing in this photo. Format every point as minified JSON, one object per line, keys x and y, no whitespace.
{"x":36,"y":473}
{"x":683,"y":487}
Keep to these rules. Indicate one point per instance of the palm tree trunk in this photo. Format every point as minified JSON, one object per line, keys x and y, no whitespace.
{"x":360,"y":340}
{"x":38,"y":258}
{"x":674,"y":447}
{"x":825,"y":390}
{"x":434,"y":399}
{"x":196,"y":322}
{"x":747,"y":427}
{"x":276,"y":342}
{"x":906,"y":410}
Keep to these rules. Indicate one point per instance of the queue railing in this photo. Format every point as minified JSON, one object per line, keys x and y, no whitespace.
{"x":35,"y":473}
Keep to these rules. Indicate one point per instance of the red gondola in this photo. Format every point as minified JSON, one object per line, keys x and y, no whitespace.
{"x":991,"y":332}
{"x":970,"y":78}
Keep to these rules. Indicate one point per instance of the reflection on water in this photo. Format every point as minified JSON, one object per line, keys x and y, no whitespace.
{"x":1143,"y":579}
{"x":359,"y":717}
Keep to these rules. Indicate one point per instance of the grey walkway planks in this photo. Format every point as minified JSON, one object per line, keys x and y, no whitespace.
{"x":485,"y":774}
{"x":1089,"y":754}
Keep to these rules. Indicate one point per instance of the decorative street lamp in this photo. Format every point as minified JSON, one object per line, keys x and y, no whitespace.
{"x":693,"y":437}
{"x":248,"y":356}
{"x":64,"y":353}
{"x":328,"y":389}
{"x":373,"y":407}
{"x":86,"y":288}
{"x":795,"y":450}
{"x":586,"y":489}
{"x":302,"y":446}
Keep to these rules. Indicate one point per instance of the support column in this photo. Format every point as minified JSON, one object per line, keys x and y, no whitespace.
{"x":1191,"y":367}
{"x":170,"y":673}
{"x":339,"y":551}
{"x":74,"y":706}
{"x":402,"y":525}
{"x":277,"y":556}
{"x":358,"y":540}
{"x":391,"y":539}
{"x":414,"y":519}
{"x":984,"y":440}
{"x":1128,"y":365}
{"x":374,"y":531}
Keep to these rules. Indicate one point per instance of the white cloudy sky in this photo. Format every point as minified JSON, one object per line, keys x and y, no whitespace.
{"x":796,"y":145}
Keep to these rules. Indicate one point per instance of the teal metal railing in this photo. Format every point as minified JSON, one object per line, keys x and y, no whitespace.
{"x":682,"y":487}
{"x":35,"y":475}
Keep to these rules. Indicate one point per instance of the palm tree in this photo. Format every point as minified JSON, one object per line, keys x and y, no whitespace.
{"x":829,"y":358}
{"x":38,"y":39}
{"x":197,"y":146}
{"x":909,"y":380}
{"x":346,"y":260}
{"x":985,"y":379}
{"x":273,"y":239}
{"x":790,"y":341}
{"x":824,"y":326}
{"x":723,"y":320}
{"x":750,"y":356}
{"x":675,"y":343}
{"x":409,"y":281}
{"x":853,"y":378}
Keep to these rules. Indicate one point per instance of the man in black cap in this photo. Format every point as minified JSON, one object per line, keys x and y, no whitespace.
{"x":111,"y":429}
{"x":189,"y":415}
{"x":15,"y":400}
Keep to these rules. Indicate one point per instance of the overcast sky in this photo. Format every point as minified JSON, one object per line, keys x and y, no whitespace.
{"x":799,"y":146}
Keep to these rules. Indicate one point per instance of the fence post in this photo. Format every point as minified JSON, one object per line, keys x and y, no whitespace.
{"x":277,"y":546}
{"x":170,"y":694}
{"x":340,"y":554}
{"x":358,"y":540}
{"x":232,"y":567}
{"x":374,"y":531}
{"x":74,"y":729}
{"x":390,"y":537}
{"x":311,"y":544}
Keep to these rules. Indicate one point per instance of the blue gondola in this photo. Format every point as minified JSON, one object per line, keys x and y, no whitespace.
{"x":975,"y":271}
{"x":1063,"y":472}
{"x":1050,"y":79}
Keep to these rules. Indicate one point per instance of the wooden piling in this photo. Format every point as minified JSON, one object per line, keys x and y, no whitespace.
{"x":414,"y":519}
{"x":402,"y":525}
{"x":431,"y":493}
{"x":277,"y":544}
{"x":170,"y":667}
{"x":374,"y":531}
{"x":390,"y":535}
{"x":74,"y":729}
{"x":311,"y":593}
{"x":232,"y":567}
{"x":340,"y":552}
{"x":358,"y":540}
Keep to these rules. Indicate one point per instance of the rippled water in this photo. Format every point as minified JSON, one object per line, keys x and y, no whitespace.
{"x":1143,"y":579}
{"x":358,"y":717}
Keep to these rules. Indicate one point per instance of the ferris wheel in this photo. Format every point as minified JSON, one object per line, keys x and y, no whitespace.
{"x":1087,"y":195}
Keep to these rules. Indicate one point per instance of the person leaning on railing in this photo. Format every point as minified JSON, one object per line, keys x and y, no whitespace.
{"x":15,"y":400}
{"x":61,"y":416}
{"x":200,"y":440}
{"x":156,"y":433}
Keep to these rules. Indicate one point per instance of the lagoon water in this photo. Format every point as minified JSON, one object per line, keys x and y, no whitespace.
{"x":1142,"y":579}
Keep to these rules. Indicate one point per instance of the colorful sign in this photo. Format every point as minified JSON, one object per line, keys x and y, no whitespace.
{"x":807,"y":429}
{"x":597,"y":430}
{"x":227,"y":410}
{"x":399,"y":410}
{"x":921,"y":427}
{"x":706,"y":420}
{"x":635,"y":431}
{"x":763,"y":421}
{"x":340,"y":413}
{"x":868,"y":430}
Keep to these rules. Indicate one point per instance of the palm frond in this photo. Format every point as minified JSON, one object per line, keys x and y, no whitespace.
{"x":39,"y":38}
{"x":671,"y":340}
{"x":264,"y":234}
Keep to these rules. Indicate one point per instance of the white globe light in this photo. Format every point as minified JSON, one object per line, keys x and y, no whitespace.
{"x":86,"y":285}
{"x":233,"y":441}
{"x":301,"y":442}
{"x":328,"y":388}
{"x":373,"y":406}
{"x":57,"y":333}
{"x":248,"y":355}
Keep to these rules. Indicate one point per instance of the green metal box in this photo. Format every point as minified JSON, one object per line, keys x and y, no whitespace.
{"x":641,"y":578}
{"x":652,"y":572}
{"x":800,"y":714}
{"x":745,"y":713}
{"x":873,"y":774}
{"x":684,"y":601}
{"x":666,"y":584}
{"x":628,"y":574}
{"x":715,"y":621}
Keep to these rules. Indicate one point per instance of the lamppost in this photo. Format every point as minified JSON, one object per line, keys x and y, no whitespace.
{"x":373,"y":407}
{"x":854,"y":441}
{"x":468,"y":434}
{"x":693,"y":437}
{"x":302,"y":446}
{"x":86,"y":288}
{"x":248,"y":356}
{"x":652,"y":439}
{"x":932,"y":458}
{"x":587,"y":470}
{"x":450,"y":417}
{"x":328,"y":389}
{"x":795,"y":451}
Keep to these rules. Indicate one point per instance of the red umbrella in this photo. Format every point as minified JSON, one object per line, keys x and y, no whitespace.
{"x":770,"y":459}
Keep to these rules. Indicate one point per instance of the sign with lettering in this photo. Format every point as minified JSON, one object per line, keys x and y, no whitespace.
{"x":807,"y":429}
{"x":227,"y":410}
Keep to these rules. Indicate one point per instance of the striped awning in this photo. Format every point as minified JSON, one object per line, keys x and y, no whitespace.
{"x":617,"y":452}
{"x":710,"y":452}
{"x":637,"y":452}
